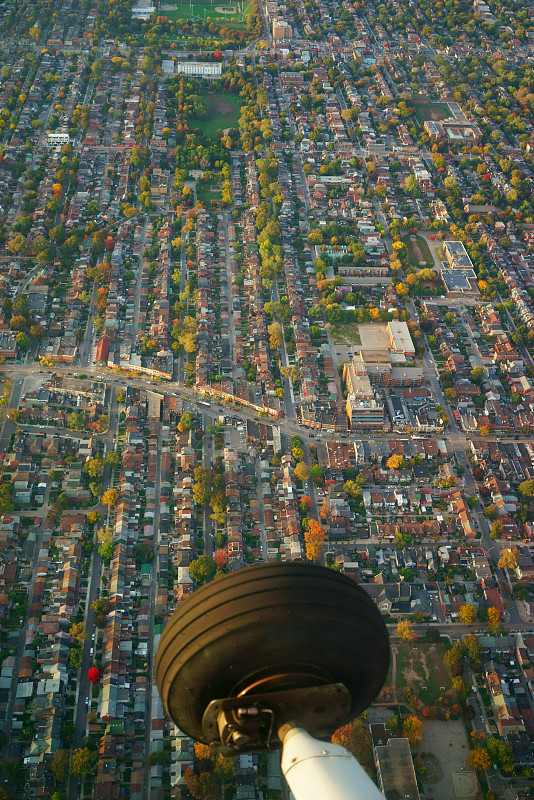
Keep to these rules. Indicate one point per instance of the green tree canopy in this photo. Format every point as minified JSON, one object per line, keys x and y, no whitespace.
{"x":203,"y":569}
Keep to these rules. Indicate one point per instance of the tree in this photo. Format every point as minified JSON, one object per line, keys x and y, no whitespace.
{"x":477,"y":375}
{"x":106,"y":551}
{"x":493,"y":621}
{"x":23,"y":341}
{"x":501,"y":754}
{"x":37,"y":331}
{"x":302,"y":471}
{"x":83,"y":761}
{"x":94,"y":674}
{"x":480,"y":759}
{"x":110,"y":497}
{"x":460,"y":687}
{"x":305,"y":504}
{"x":455,"y":654}
{"x":75,"y":658}
{"x":17,"y":323}
{"x":93,"y":517}
{"x":203,"y":786}
{"x":316,"y":474}
{"x":352,"y":488}
{"x":297,"y":452}
{"x":78,"y":632}
{"x":112,"y":459}
{"x":324,"y":510}
{"x":510,"y":558}
{"x":60,"y":765}
{"x":13,"y":414}
{"x":406,"y":631}
{"x":395,"y":462}
{"x":472,"y":646}
{"x":94,"y":468}
{"x":412,"y":728}
{"x":100,"y":606}
{"x":203,"y":569}
{"x":313,"y":539}
{"x":526,"y":489}
{"x":185,"y":422}
{"x":201,"y":493}
{"x":276,"y":335}
{"x":355,"y":738}
{"x":218,"y":507}
{"x":467,"y":613}
{"x":220,"y":557}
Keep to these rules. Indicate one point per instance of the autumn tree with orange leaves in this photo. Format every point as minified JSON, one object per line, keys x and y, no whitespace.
{"x":480,"y":759}
{"x":494,"y":621}
{"x":313,"y":538}
{"x":405,"y":631}
{"x":221,"y":558}
{"x":355,"y":738}
{"x":412,"y":728}
{"x":203,"y":786}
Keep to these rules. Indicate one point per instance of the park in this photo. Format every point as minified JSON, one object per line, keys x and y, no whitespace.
{"x":431,"y":112}
{"x":224,"y":111}
{"x":233,"y":15}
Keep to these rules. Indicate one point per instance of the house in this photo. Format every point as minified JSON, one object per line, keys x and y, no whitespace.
{"x":390,"y":598}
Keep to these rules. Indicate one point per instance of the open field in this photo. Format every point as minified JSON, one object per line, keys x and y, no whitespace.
{"x":224,"y":112}
{"x":422,"y":668}
{"x":232,"y":14}
{"x":419,"y":253}
{"x":346,"y":333}
{"x":431,"y":111}
{"x":208,"y":192}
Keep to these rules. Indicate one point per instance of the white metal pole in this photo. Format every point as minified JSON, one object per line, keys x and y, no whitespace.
{"x":318,"y":770}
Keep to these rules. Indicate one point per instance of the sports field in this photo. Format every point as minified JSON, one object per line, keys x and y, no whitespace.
{"x":418,"y":252}
{"x":224,"y":112}
{"x":233,"y":14}
{"x":431,"y":111}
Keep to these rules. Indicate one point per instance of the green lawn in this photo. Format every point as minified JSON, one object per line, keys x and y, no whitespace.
{"x":418,"y":251}
{"x":203,"y":9}
{"x":431,"y":111}
{"x":421,"y":666}
{"x":207,"y":192}
{"x":224,"y":112}
{"x":346,"y":333}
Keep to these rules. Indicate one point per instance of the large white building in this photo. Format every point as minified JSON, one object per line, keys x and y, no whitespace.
{"x":200,"y":69}
{"x":58,"y":139}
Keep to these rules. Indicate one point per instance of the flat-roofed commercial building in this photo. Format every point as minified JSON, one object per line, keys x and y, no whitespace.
{"x":200,"y":69}
{"x":394,"y":765}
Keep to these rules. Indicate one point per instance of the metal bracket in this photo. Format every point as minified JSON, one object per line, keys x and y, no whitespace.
{"x":251,"y":722}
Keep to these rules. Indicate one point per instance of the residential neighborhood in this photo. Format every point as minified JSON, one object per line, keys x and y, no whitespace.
{"x":267,"y":295}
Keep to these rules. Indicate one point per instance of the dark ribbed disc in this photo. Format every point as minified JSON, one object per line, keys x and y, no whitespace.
{"x":265,"y":620}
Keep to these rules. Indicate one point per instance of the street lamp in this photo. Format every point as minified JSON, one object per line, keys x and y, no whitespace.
{"x":277,"y":656}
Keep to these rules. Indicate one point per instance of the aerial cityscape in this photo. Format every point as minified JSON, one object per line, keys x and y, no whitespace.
{"x":267,"y":294}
